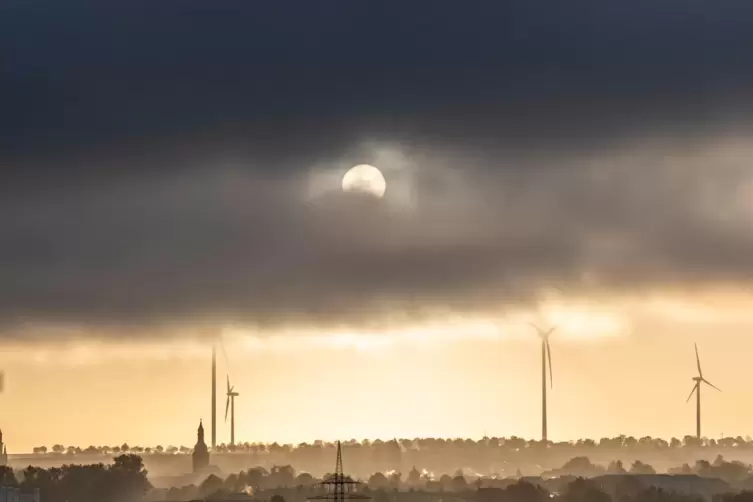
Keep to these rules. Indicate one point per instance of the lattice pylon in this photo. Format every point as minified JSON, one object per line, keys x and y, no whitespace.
{"x":339,"y":464}
{"x":342,"y":487}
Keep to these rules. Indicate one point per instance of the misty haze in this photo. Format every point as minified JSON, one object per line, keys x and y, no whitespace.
{"x":391,"y":251}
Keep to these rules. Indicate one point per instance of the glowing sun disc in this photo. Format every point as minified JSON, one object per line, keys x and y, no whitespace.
{"x":365,"y":178}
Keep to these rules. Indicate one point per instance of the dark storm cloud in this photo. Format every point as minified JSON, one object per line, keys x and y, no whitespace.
{"x":303,"y":78}
{"x":156,"y":159}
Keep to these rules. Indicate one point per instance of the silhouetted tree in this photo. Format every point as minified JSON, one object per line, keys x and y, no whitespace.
{"x":459,"y":483}
{"x":129,"y":477}
{"x":255,"y":477}
{"x":210,"y":485}
{"x":584,"y":490}
{"x":281,"y":476}
{"x":378,"y":481}
{"x":616,"y":467}
{"x":414,"y":477}
{"x":304,"y":479}
{"x":519,"y":491}
{"x":231,"y":484}
{"x":639,"y":467}
{"x":683,"y":469}
{"x":7,"y":478}
{"x":578,"y":466}
{"x":394,"y":480}
{"x":445,"y":482}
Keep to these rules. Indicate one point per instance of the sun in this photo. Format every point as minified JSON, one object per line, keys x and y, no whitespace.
{"x":365,"y":178}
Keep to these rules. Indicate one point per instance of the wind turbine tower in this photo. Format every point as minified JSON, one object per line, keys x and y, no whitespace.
{"x":214,"y":395}
{"x":546,"y":360}
{"x":697,"y":389}
{"x":230,"y":404}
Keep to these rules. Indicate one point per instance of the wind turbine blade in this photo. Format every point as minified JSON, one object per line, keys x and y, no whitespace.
{"x":228,"y":383}
{"x":712,"y":385}
{"x":698,"y":360}
{"x":543,"y":334}
{"x":691,"y":392}
{"x":227,"y":407}
{"x":549,"y":357}
{"x":224,"y":352}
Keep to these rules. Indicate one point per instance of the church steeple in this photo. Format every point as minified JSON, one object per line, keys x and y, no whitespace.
{"x":200,"y":451}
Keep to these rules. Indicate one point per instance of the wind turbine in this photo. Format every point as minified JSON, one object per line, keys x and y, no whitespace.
{"x":546,"y":357}
{"x":214,"y":395}
{"x":697,"y":389}
{"x":230,"y":404}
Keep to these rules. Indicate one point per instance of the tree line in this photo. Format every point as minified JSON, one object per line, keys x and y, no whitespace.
{"x":456,"y":489}
{"x":501,"y":456}
{"x":508,"y":443}
{"x":123,"y":480}
{"x":294,"y":486}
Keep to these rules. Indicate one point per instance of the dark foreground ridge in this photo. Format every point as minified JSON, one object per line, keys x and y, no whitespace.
{"x":125,"y":480}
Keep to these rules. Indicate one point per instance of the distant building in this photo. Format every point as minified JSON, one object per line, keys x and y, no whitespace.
{"x":200,"y":451}
{"x":3,"y":452}
{"x":29,"y":497}
{"x":9,"y":494}
{"x":13,"y":494}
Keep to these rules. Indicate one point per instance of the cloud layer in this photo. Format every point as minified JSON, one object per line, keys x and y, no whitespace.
{"x":184,"y":165}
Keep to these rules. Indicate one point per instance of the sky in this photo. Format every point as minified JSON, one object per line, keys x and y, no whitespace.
{"x":170,"y":173}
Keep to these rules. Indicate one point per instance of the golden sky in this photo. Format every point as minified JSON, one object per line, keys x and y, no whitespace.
{"x":622,"y":366}
{"x":140,"y":199}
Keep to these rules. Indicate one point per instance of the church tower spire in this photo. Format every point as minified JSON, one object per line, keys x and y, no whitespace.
{"x":200,"y":451}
